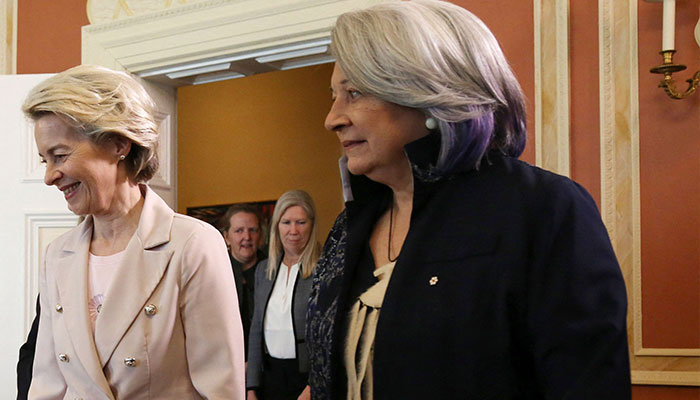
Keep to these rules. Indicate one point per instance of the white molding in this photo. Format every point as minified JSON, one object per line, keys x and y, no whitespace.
{"x":209,"y":29}
{"x":162,"y":177}
{"x":99,"y":11}
{"x":32,"y":169}
{"x":7,"y":36}
{"x":14,"y":36}
{"x":539,"y":114}
{"x":607,"y":121}
{"x":158,"y":15}
{"x":666,"y":378}
{"x":34,"y":221}
{"x":620,"y":187}
{"x":667,"y":352}
{"x":619,"y":145}
{"x":552,"y":85}
{"x":636,"y":199}
{"x":4,"y":40}
{"x":165,"y":179}
{"x":204,"y":31}
{"x":563,"y":118}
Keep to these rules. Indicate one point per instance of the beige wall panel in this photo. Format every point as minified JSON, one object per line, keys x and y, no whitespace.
{"x":620,"y":187}
{"x":8,"y":34}
{"x":552,"y":101}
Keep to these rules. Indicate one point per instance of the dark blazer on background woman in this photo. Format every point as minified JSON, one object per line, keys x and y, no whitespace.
{"x":256,"y":344}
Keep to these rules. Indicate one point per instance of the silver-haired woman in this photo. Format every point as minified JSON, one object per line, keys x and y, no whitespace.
{"x":455,"y":270}
{"x":278,"y":358}
{"x":137,"y":301}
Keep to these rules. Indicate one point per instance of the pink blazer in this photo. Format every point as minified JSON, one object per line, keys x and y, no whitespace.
{"x":169,"y":327}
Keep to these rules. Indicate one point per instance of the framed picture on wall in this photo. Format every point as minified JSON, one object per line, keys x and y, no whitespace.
{"x":214,"y":214}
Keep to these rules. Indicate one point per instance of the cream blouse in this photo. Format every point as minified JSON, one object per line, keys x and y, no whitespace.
{"x":362,"y":327}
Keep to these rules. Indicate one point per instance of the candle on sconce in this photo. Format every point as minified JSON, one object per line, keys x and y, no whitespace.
{"x":697,"y":29}
{"x":669,"y":26}
{"x":668,"y":49}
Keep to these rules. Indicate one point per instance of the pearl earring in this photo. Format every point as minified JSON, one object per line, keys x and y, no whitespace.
{"x":122,"y":157}
{"x":431,"y":123}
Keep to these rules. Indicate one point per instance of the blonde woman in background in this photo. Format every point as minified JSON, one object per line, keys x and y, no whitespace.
{"x":138,"y":302}
{"x":278,"y":359}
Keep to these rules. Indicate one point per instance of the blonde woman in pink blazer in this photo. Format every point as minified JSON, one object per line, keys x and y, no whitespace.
{"x":138,"y":302}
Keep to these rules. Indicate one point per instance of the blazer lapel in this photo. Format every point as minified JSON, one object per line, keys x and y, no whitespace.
{"x":72,"y":281}
{"x":137,"y":276}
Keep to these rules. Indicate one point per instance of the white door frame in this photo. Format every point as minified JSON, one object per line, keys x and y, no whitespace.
{"x":204,"y":30}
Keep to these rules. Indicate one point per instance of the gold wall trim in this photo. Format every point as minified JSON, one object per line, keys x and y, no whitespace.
{"x":667,"y":352}
{"x":620,"y":187}
{"x":665,"y":378}
{"x":552,"y":98}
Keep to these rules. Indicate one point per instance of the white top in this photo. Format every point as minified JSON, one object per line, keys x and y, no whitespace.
{"x":101,"y":270}
{"x":279,"y":330}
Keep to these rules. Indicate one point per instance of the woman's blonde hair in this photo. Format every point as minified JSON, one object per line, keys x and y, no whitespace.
{"x":439,"y":58}
{"x":312,"y":251}
{"x":100,"y":103}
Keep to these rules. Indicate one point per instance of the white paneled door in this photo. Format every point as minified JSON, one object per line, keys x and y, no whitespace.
{"x":32,"y":214}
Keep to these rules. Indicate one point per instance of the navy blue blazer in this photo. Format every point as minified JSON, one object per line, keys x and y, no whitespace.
{"x":507,"y":287}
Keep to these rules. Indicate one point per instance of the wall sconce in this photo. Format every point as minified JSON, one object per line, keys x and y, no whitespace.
{"x":667,"y":51}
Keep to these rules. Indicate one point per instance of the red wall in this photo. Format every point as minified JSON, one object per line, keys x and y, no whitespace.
{"x":585,"y":113}
{"x":48,"y":35}
{"x":517,"y":41}
{"x":664,"y":393}
{"x":670,"y":186}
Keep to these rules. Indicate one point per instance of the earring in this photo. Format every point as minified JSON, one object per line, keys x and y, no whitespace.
{"x":431,"y":123}
{"x":122,"y":157}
